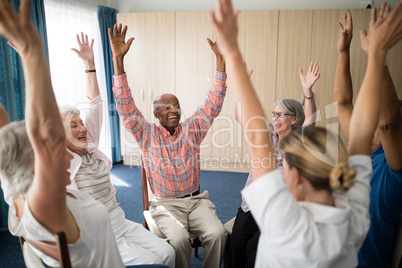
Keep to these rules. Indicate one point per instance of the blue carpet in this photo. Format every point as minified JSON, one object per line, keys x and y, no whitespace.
{"x":223,"y":187}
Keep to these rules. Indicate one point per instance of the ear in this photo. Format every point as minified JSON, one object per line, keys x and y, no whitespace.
{"x":156,"y":114}
{"x":297,"y":176}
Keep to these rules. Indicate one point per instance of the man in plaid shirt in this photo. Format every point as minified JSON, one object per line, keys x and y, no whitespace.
{"x":171,"y":158}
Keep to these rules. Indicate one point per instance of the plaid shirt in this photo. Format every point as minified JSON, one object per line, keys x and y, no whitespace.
{"x":172,"y":163}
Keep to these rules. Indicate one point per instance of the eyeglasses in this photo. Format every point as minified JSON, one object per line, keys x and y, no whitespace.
{"x":280,"y":114}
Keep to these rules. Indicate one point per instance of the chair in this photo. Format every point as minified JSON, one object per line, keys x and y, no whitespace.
{"x":397,"y":250}
{"x":57,"y":250}
{"x":229,"y":225}
{"x":149,"y":222}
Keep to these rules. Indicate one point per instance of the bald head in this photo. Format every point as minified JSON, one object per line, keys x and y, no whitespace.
{"x":164,"y":99}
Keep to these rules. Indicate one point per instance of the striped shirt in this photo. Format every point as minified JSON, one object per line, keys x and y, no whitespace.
{"x":172,"y":162}
{"x":93,"y":178}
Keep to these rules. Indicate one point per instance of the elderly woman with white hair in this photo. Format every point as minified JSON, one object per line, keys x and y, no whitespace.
{"x":90,"y":173}
{"x":34,"y":163}
{"x":287,"y":116}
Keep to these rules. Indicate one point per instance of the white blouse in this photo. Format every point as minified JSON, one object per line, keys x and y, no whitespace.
{"x":96,"y":246}
{"x":305,"y":234}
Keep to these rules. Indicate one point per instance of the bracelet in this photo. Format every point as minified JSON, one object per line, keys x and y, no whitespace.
{"x":309,"y":98}
{"x":90,"y":71}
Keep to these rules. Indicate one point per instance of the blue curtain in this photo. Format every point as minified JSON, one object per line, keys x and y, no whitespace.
{"x":12,"y":83}
{"x":107,"y":19}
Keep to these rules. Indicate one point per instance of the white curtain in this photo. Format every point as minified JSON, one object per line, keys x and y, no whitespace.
{"x":64,"y":20}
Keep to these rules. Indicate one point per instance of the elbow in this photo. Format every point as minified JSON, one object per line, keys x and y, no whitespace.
{"x":49,"y":133}
{"x":390,"y":124}
{"x":346,"y":103}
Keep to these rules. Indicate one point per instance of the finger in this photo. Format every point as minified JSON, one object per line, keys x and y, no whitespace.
{"x":213,"y":18}
{"x":24,"y":10}
{"x":382,"y":9}
{"x":115,"y":30}
{"x":387,"y":10}
{"x":218,"y":11}
{"x":92,"y":43}
{"x":316,"y":67}
{"x":119,"y":33}
{"x":86,"y":40}
{"x":345,"y":19}
{"x":76,"y":51}
{"x":236,"y":14}
{"x":229,"y":6}
{"x":363,"y":35}
{"x":129,"y":41}
{"x":394,"y":12}
{"x":340,"y":26}
{"x":350,"y":21}
{"x":311,"y":66}
{"x":82,"y":39}
{"x":78,"y":40}
{"x":124,"y":31}
{"x":373,"y":17}
{"x":211,"y":44}
{"x":7,"y":17}
{"x":110,"y":34}
{"x":301,"y":73}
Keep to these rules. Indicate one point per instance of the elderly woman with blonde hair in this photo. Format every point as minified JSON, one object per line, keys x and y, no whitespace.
{"x":90,"y":172}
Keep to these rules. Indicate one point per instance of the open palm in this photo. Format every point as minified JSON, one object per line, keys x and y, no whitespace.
{"x":308,"y":80}
{"x":85,"y":51}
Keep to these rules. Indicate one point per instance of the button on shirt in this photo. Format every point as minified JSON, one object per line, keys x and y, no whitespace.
{"x":172,"y":162}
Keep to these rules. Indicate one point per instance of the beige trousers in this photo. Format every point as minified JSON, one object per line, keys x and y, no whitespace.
{"x":175,"y":217}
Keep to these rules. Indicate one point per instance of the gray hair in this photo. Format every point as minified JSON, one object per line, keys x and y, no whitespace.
{"x":16,"y":157}
{"x":292,"y":106}
{"x":68,"y":110}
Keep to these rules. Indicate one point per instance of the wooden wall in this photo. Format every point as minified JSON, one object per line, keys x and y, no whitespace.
{"x":170,"y":54}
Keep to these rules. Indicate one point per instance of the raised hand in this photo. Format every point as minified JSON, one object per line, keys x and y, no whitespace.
{"x":214,"y":47}
{"x":346,"y":32}
{"x":18,"y":28}
{"x":385,"y":30}
{"x":308,"y":80}
{"x":85,"y":52}
{"x":117,"y":40}
{"x":225,"y":21}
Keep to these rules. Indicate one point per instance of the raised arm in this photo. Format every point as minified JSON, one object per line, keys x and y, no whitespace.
{"x":220,"y":62}
{"x":47,"y":194}
{"x":307,"y":81}
{"x":86,"y":53}
{"x":390,"y":124}
{"x":384,"y":33}
{"x":343,"y":90}
{"x":251,"y":116}
{"x":4,"y":120}
{"x":119,"y":47}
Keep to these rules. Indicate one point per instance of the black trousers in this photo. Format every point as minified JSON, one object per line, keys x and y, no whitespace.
{"x":242,"y":246}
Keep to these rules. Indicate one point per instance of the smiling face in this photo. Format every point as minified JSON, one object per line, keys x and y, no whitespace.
{"x":76,"y":133}
{"x":167,"y":110}
{"x":283,"y":126}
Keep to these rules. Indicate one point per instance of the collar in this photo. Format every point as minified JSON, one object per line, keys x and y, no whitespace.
{"x":166,"y":133}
